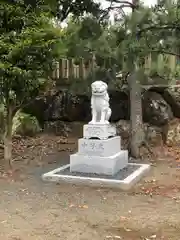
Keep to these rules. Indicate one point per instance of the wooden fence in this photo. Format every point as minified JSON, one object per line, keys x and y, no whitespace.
{"x":68,"y":68}
{"x":161,"y":60}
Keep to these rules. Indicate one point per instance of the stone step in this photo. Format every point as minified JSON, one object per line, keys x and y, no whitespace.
{"x":99,"y":147}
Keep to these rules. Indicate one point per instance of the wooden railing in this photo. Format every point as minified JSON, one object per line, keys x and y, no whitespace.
{"x":161,"y":59}
{"x":68,"y":68}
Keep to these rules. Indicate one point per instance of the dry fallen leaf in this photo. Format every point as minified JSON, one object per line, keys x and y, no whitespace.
{"x":127,"y":230}
{"x":5,"y":221}
{"x":118,"y":237}
{"x":114,"y":237}
{"x":153,"y":236}
{"x":123,"y":218}
{"x":85,"y":206}
{"x":23,"y":190}
{"x":71,"y":205}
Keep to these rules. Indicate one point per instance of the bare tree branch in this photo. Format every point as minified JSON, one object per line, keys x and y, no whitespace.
{"x":157,"y":27}
{"x":124,"y":3}
{"x":161,"y":51}
{"x":107,"y":10}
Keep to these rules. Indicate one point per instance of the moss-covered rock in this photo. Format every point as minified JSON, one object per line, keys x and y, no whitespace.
{"x":25,"y":124}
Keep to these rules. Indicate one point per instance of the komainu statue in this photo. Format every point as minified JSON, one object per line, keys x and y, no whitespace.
{"x":101,"y":112}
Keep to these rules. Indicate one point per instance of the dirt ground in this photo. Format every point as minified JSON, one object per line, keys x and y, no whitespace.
{"x":31,"y":209}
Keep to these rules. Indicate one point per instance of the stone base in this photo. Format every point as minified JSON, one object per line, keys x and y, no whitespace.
{"x":99,"y":131}
{"x":99,"y":165}
{"x":122,"y":180}
{"x":101,"y":148}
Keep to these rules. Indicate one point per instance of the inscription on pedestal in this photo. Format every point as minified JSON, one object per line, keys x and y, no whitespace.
{"x":93,"y":148}
{"x":99,"y":147}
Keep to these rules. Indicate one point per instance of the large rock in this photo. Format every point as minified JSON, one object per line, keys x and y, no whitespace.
{"x":172,"y":97}
{"x":119,"y":102}
{"x":153,"y":134}
{"x":58,"y":128}
{"x":156,"y":110}
{"x":173,"y":133}
{"x":60,"y":106}
{"x":25,"y":125}
{"x":63,"y":106}
{"x":37,"y":109}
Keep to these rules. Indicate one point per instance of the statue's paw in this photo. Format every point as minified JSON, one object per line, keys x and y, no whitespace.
{"x":106,"y":122}
{"x":92,"y":122}
{"x":102,"y":122}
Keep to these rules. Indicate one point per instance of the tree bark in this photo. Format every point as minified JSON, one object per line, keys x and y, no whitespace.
{"x":136,"y":120}
{"x":137,"y":131}
{"x":8,"y":138}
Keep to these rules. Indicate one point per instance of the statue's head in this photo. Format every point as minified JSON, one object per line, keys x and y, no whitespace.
{"x":99,"y":88}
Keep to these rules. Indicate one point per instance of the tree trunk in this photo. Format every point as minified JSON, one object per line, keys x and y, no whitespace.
{"x":137,"y":131}
{"x":8,"y":138}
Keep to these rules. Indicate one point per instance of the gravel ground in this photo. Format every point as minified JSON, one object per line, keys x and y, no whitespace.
{"x":122,"y":174}
{"x":31,"y":209}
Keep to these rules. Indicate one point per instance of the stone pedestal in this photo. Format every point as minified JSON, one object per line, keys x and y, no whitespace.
{"x":99,"y":165}
{"x":99,"y":151}
{"x":101,"y":148}
{"x":100,"y":131}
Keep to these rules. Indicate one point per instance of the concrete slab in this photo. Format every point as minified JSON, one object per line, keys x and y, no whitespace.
{"x":124,"y":179}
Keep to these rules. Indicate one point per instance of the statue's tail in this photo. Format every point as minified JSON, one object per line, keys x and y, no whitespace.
{"x":108,"y":115}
